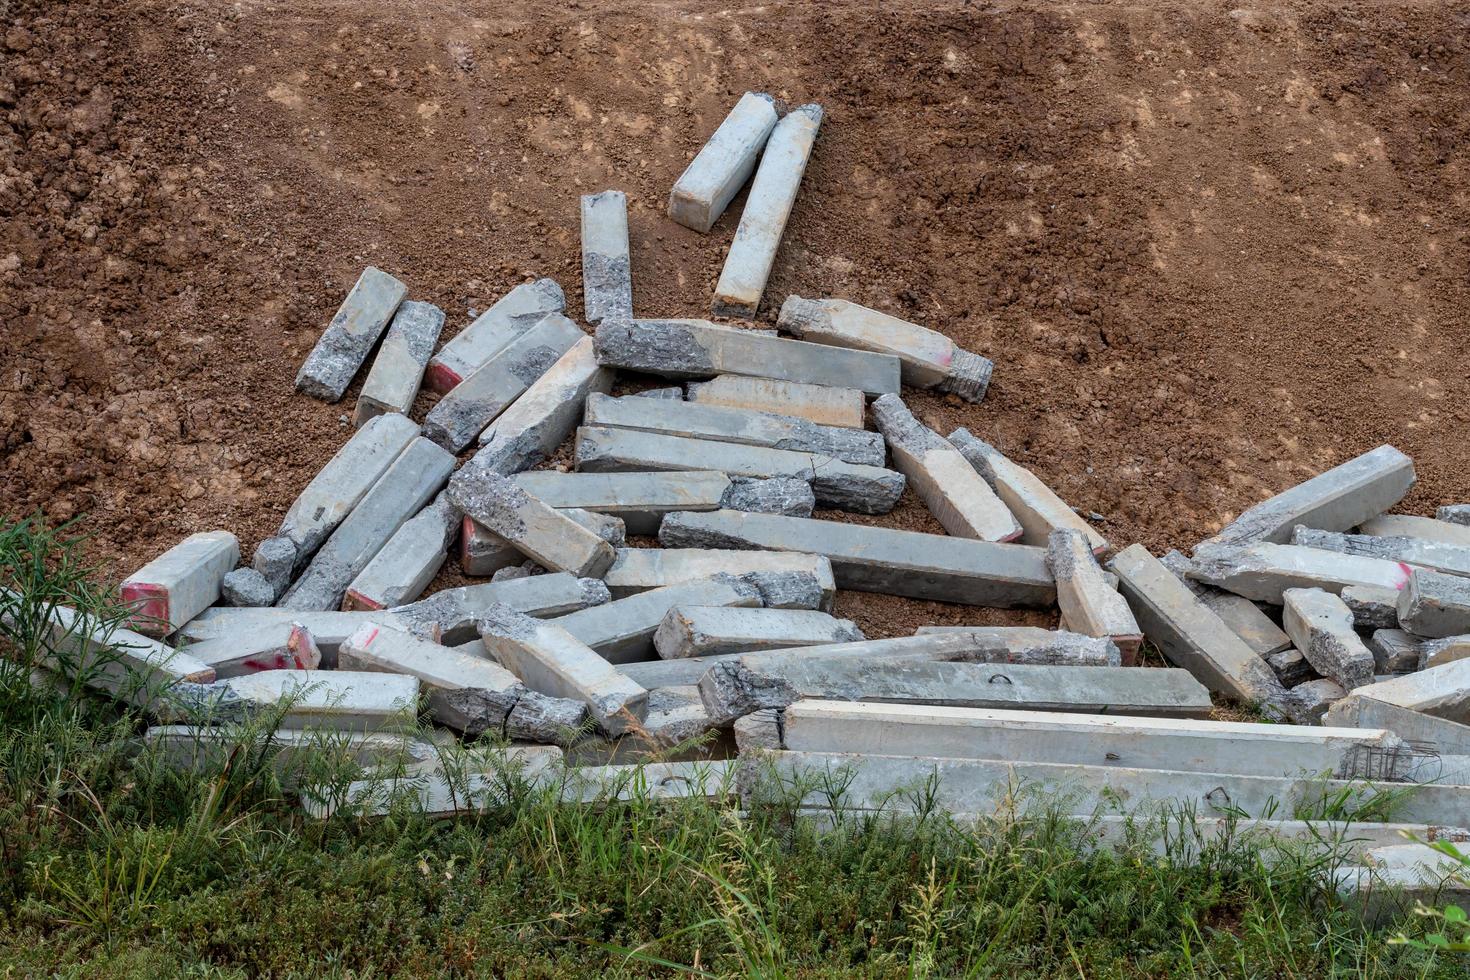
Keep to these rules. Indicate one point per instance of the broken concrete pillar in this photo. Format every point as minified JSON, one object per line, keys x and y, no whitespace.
{"x":283,"y":646}
{"x":697,"y":349}
{"x":778,"y":495}
{"x":623,"y":630}
{"x":673,"y":393}
{"x":483,"y":552}
{"x":675,"y":715}
{"x":999,"y":644}
{"x":294,"y":754}
{"x":1373,"y":607}
{"x":1079,"y":739}
{"x":821,"y":404}
{"x":1310,"y":700}
{"x":125,"y":664}
{"x":464,"y":412}
{"x":849,"y":486}
{"x":721,"y":168}
{"x":715,"y":423}
{"x":1290,"y":666}
{"x":1426,"y":733}
{"x":535,"y":717}
{"x":393,"y":382}
{"x":878,"y":559}
{"x":246,"y":587}
{"x":762,"y":223}
{"x":439,"y":794}
{"x":607,"y":275}
{"x":1034,"y":504}
{"x":337,"y":488}
{"x":668,"y":673}
{"x":180,"y":583}
{"x":747,"y":683}
{"x":640,"y":500}
{"x":1394,"y":651}
{"x":1434,"y":604}
{"x":1436,"y":653}
{"x":948,"y":485}
{"x":537,"y":530}
{"x":275,"y":560}
{"x":541,"y":419}
{"x":468,"y":693}
{"x":1088,"y":604}
{"x":1321,"y":626}
{"x":449,"y":616}
{"x":1433,"y":555}
{"x":515,"y":313}
{"x":1263,"y":571}
{"x":338,"y":700}
{"x":413,"y":479}
{"x":1244,"y":617}
{"x":349,"y":338}
{"x":1453,"y":514}
{"x":1424,"y":528}
{"x":1192,"y":636}
{"x":1441,"y":691}
{"x":639,"y":569}
{"x":758,"y":731}
{"x":550,"y":660}
{"x":703,"y":630}
{"x":404,"y":567}
{"x":930,"y":359}
{"x":1336,"y":500}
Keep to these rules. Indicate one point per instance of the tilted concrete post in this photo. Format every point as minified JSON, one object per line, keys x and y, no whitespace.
{"x":515,"y":313}
{"x":725,"y":163}
{"x":607,"y":275}
{"x":393,"y":382}
{"x":350,"y":336}
{"x":640,"y":500}
{"x":404,"y":567}
{"x":541,"y":419}
{"x":541,"y":532}
{"x":1321,"y":626}
{"x":1263,"y":571}
{"x":1434,"y":604}
{"x":1089,"y":605}
{"x":1034,"y":504}
{"x":180,"y":583}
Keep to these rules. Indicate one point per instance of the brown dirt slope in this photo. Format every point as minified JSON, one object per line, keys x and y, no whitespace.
{"x":1212,"y":249}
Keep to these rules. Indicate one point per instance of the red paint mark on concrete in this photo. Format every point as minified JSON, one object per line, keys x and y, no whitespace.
{"x":359,"y":602}
{"x":371,"y":637}
{"x":1408,"y":571}
{"x":148,"y":599}
{"x":441,"y":379}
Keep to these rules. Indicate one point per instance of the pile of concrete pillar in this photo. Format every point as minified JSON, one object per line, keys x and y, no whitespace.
{"x":671,"y":591}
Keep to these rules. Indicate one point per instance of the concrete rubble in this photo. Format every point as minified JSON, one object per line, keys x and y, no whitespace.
{"x":607,"y":275}
{"x":1321,"y":626}
{"x":393,"y":382}
{"x":537,"y":530}
{"x":515,"y":313}
{"x":351,"y":335}
{"x":724,"y":164}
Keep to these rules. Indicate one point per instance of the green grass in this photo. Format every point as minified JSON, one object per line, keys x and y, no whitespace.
{"x":114,"y":864}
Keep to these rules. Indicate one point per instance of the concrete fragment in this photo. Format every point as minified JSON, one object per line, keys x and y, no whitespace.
{"x":1435,"y":653}
{"x":398,"y":370}
{"x":1263,"y":571}
{"x":438,"y":794}
{"x":345,"y":480}
{"x":758,"y":731}
{"x":246,"y":587}
{"x":821,"y":404}
{"x":468,"y":693}
{"x":675,"y":715}
{"x":716,"y":423}
{"x":607,"y":275}
{"x":1178,"y":744}
{"x":779,"y":495}
{"x":404,"y":567}
{"x":948,"y":485}
{"x":1321,"y":626}
{"x":1190,"y":635}
{"x":550,"y":660}
{"x":1394,"y":651}
{"x":1088,"y":604}
{"x":1290,"y":666}
{"x":1434,"y":604}
{"x":1426,"y":733}
{"x":850,"y":486}
{"x":1453,"y":514}
{"x":541,"y":419}
{"x":640,"y":500}
{"x":127,"y":665}
{"x":515,"y":313}
{"x":673,"y":393}
{"x":1310,"y":700}
{"x":743,"y":684}
{"x":1442,"y":691}
{"x":1409,"y":526}
{"x":703,"y":630}
{"x":483,"y":552}
{"x":539,"y":531}
{"x":339,"y":700}
{"x":275,"y":560}
{"x":697,"y":349}
{"x":724,"y":164}
{"x":280,"y":646}
{"x":623,"y":630}
{"x":465,"y":411}
{"x":553,"y":721}
{"x":768,"y":206}
{"x":1433,"y":555}
{"x":1244,"y":618}
{"x":449,"y":616}
{"x":639,"y":569}
{"x":1373,"y":607}
{"x":350,"y":336}
{"x":668,"y":673}
{"x":875,"y":559}
{"x":1001,"y":644}
{"x":930,"y":359}
{"x":1342,"y":497}
{"x":413,"y":479}
{"x":180,"y":583}
{"x":1034,"y":504}
{"x":513,"y":572}
{"x":788,"y":590}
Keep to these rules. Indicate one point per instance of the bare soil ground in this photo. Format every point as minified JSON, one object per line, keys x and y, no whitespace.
{"x":1211,"y":249}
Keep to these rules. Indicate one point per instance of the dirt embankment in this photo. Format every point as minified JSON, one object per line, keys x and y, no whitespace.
{"x":1211,"y":249}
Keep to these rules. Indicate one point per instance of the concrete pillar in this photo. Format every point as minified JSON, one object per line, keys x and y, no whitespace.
{"x":1394,"y":651}
{"x":180,"y":583}
{"x":1006,"y":645}
{"x":849,"y":486}
{"x":283,"y":646}
{"x":640,"y":500}
{"x":1423,"y":528}
{"x":722,"y":167}
{"x":1321,"y":626}
{"x":464,"y":412}
{"x":537,"y":530}
{"x":1436,"y":653}
{"x":623,"y":630}
{"x":948,"y":485}
{"x":1433,"y":555}
{"x":393,"y":382}
{"x":336,"y":489}
{"x":1440,"y":691}
{"x":127,"y":665}
{"x":349,"y":338}
{"x":1434,"y":604}
{"x":758,"y":731}
{"x":404,"y":567}
{"x":413,"y":479}
{"x":877,"y":559}
{"x":275,"y":561}
{"x":336,"y":700}
{"x":702,"y":630}
{"x":1244,"y":618}
{"x":1263,"y":571}
{"x":607,"y":275}
{"x":483,"y":552}
{"x":718,"y":424}
{"x":1342,"y":497}
{"x":292,"y":753}
{"x":1427,"y":733}
{"x":697,"y":349}
{"x":440,"y":794}
{"x":1039,"y":510}
{"x":930,"y":359}
{"x":762,"y":223}
{"x":515,"y":313}
{"x":1373,"y":607}
{"x":542,"y":418}
{"x":1089,"y":605}
{"x":821,"y":404}
{"x":1311,"y":700}
{"x":639,"y":569}
{"x":449,"y":616}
